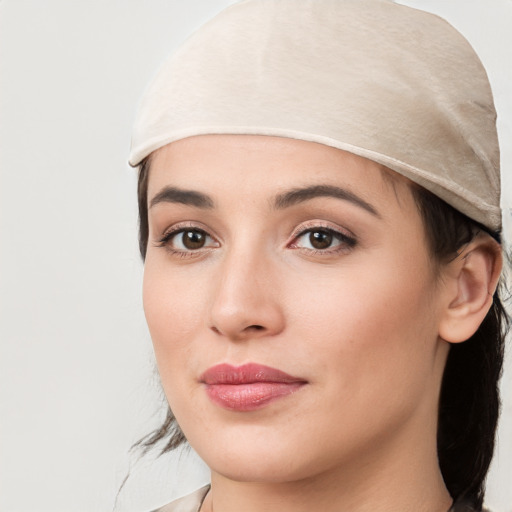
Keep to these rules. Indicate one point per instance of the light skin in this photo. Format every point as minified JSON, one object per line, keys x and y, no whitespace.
{"x":305,"y":258}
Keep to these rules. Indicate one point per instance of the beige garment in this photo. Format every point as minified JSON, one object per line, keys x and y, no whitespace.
{"x":393,"y":84}
{"x":189,"y":503}
{"x":192,"y":503}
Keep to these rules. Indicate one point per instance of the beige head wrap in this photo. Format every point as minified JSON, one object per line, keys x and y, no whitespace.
{"x":387,"y":82}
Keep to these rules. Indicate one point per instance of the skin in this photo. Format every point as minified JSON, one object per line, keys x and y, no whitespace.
{"x":362,"y":321}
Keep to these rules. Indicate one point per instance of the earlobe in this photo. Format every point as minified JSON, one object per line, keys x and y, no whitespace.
{"x":470,"y":283}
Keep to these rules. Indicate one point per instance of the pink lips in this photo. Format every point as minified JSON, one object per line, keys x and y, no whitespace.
{"x":247,"y":387}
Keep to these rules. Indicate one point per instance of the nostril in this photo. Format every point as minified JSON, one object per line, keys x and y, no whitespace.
{"x":247,"y":329}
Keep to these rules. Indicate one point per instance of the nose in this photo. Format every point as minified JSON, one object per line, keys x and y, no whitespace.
{"x":245,"y":301}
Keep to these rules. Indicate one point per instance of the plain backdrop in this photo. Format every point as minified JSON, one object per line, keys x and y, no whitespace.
{"x":78,"y":384}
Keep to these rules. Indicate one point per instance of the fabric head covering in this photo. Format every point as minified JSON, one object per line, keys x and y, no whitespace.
{"x":394,"y":84}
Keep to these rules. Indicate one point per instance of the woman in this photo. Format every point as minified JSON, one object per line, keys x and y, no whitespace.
{"x":319,"y":206}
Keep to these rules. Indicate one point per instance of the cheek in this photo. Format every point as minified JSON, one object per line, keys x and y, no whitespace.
{"x":173,"y":310}
{"x":370,"y":329}
{"x":370,"y":340}
{"x":174,"y":314}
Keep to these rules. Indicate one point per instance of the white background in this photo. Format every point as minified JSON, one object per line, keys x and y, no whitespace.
{"x":78,"y":385}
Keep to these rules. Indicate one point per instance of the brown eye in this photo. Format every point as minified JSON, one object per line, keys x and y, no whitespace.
{"x":325,"y":240}
{"x":320,"y":239}
{"x":188,"y":240}
{"x":193,"y":239}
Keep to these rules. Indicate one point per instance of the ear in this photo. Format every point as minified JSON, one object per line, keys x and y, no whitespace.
{"x":469,"y":283}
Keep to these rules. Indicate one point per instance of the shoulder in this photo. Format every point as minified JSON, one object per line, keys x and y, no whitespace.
{"x":189,"y":503}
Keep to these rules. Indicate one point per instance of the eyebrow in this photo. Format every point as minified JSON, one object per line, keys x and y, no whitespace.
{"x":178,"y":195}
{"x":282,"y":201}
{"x":299,"y":195}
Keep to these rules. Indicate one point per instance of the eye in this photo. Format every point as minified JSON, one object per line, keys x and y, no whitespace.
{"x":323,"y":239}
{"x":185,"y":240}
{"x":319,"y":239}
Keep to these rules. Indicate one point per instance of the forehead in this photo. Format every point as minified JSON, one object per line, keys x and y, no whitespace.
{"x":250,"y":165}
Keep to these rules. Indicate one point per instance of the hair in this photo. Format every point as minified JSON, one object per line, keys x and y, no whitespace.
{"x":469,"y":402}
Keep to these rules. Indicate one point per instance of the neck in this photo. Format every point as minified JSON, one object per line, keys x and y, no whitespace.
{"x":401,"y":474}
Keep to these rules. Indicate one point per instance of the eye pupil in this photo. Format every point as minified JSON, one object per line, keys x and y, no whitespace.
{"x":193,"y":239}
{"x":320,"y":239}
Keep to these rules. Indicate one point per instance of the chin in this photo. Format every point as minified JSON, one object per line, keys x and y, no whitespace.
{"x":260,"y":468}
{"x":260,"y":455}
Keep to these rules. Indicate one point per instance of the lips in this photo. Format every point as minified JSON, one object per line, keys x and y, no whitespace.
{"x":248,"y":387}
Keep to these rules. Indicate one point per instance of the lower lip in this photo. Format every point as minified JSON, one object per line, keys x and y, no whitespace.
{"x":249,"y":397}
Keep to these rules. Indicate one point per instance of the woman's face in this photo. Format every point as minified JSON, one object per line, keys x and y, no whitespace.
{"x":305,"y":270}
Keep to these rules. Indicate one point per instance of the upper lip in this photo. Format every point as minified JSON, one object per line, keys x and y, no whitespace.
{"x":245,"y":374}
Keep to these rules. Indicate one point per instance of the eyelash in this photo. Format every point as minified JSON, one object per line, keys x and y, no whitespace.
{"x":165,"y":241}
{"x":346,"y":242}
